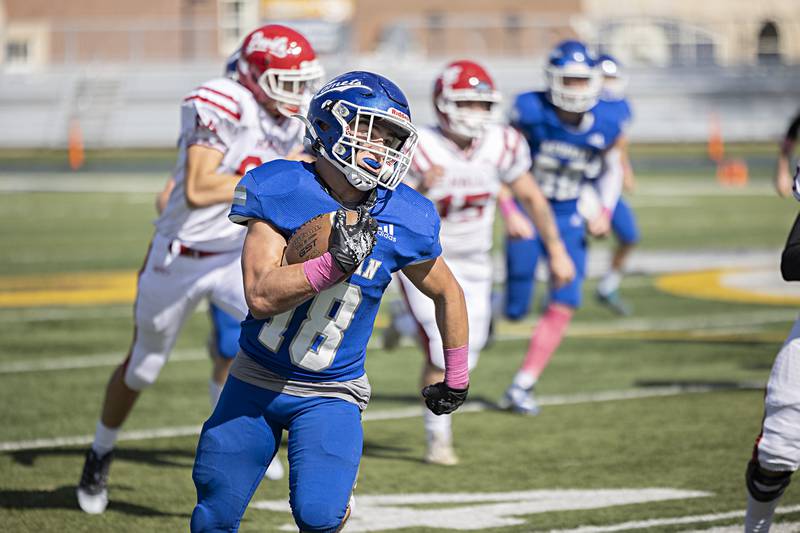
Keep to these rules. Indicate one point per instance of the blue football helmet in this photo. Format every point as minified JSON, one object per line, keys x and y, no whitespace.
{"x":614,"y":82}
{"x":571,"y":60}
{"x":360,"y":112}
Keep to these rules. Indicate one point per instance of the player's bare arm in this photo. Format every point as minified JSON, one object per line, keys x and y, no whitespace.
{"x":561,"y":267}
{"x":628,"y":176}
{"x":517,"y":225}
{"x":609,"y":187}
{"x":435,"y":280}
{"x":204,"y":186}
{"x":269,"y":288}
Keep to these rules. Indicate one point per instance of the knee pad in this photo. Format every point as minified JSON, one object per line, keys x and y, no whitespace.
{"x":318,"y":517}
{"x":141,"y":372}
{"x":766,"y":485}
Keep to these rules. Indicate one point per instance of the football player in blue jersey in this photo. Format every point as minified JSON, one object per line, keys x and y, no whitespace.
{"x":570,"y":147}
{"x":303,"y":343}
{"x":614,"y":104}
{"x":785,"y":184}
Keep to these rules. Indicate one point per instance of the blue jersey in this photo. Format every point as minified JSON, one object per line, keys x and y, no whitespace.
{"x":325,"y":338}
{"x":615,"y":109}
{"x":564,"y":156}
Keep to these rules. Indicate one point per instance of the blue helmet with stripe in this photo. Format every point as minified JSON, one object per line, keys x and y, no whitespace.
{"x":573,"y":78}
{"x":361,"y":123}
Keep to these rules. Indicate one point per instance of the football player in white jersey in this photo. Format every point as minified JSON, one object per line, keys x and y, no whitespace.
{"x":776,"y":455}
{"x":227,"y":127}
{"x":460,"y":165}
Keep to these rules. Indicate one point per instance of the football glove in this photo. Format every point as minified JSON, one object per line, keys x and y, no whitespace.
{"x":350,"y":245}
{"x":443,"y":400}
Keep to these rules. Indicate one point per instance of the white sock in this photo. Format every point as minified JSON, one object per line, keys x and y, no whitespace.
{"x":439,"y":427}
{"x":104,"y":439}
{"x":759,"y":515}
{"x":610,"y":282}
{"x":524,"y":380}
{"x":214,"y":391}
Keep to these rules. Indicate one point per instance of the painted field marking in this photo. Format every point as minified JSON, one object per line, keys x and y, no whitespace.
{"x":369,"y":416}
{"x":471,"y":511}
{"x":655,"y":522}
{"x":744,"y":285}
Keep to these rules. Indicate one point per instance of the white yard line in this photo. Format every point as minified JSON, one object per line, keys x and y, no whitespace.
{"x":86,"y":361}
{"x":44,"y":314}
{"x":656,"y":522}
{"x":694,"y":323}
{"x":369,"y":416}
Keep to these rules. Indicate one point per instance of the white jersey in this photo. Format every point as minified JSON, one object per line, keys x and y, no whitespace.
{"x":223,"y":115}
{"x":466,"y":194}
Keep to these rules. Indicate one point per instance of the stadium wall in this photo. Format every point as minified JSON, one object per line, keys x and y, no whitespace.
{"x":124,"y":106}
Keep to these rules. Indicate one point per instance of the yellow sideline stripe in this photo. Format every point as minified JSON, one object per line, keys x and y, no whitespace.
{"x":78,"y":288}
{"x":707,"y":285}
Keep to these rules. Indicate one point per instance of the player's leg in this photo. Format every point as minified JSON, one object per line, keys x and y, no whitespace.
{"x":552,"y":325}
{"x":474,"y":276}
{"x":521,"y":258}
{"x":223,"y":345}
{"x":777,"y":453}
{"x":228,"y":308}
{"x":623,"y":224}
{"x":235,"y":447}
{"x":438,"y":429}
{"x":164,"y":299}
{"x":325,"y":444}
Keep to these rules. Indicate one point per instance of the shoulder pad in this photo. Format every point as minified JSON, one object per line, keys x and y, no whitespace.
{"x":219,"y":97}
{"x":283,"y":176}
{"x":527,"y":108}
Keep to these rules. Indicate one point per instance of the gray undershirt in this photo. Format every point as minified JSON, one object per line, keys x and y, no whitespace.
{"x":356,"y":391}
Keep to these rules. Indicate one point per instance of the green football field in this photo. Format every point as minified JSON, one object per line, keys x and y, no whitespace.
{"x":647,"y":421}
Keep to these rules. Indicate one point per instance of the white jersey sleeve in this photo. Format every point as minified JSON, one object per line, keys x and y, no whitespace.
{"x":516,"y":158}
{"x":211,"y":116}
{"x":421,"y":163}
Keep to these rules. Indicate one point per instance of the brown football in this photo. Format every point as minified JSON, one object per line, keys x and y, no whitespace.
{"x":311,"y":239}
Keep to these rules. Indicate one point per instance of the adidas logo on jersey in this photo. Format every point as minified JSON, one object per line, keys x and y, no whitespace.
{"x":387,"y":232}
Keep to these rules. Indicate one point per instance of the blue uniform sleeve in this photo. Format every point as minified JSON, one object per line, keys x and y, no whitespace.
{"x":420,"y":222}
{"x":246,"y":205}
{"x":430,"y":247}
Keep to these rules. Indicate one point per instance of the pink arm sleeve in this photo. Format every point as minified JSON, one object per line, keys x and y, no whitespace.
{"x":322,"y":272}
{"x":456,"y":367}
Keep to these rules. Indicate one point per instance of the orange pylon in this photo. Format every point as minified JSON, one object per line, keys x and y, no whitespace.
{"x":75,"y":145}
{"x":716,"y":146}
{"x":733,"y":173}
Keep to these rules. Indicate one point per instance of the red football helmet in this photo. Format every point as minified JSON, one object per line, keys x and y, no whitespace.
{"x":460,"y":84}
{"x":278,"y":64}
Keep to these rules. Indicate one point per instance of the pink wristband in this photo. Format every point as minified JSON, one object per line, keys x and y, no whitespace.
{"x":456,"y":367}
{"x":607,"y":212}
{"x":322,"y":272}
{"x":507,"y":206}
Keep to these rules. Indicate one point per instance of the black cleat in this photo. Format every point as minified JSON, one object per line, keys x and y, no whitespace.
{"x":93,"y":487}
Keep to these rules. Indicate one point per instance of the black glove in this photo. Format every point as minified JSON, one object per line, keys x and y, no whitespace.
{"x":350,"y":245}
{"x":443,"y":400}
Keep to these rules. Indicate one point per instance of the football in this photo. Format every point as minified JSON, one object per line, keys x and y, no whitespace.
{"x":311,"y":239}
